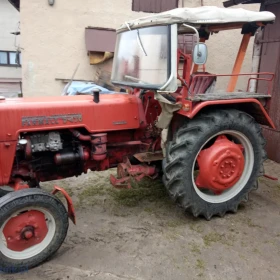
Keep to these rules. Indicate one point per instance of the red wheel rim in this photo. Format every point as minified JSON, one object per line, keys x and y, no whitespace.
{"x":208,"y":180}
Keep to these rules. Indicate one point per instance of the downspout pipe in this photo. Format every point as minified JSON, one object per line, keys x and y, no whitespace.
{"x":257,"y":51}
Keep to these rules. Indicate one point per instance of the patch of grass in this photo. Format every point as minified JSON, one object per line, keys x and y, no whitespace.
{"x":174,"y":223}
{"x":212,"y":237}
{"x":172,"y":236}
{"x":195,"y":248}
{"x":151,"y":191}
{"x":149,"y":210}
{"x":200,"y":264}
{"x":251,"y":224}
{"x":270,"y":242}
{"x":215,"y":237}
{"x":244,"y":244}
{"x":256,"y":251}
{"x":243,"y":257}
{"x":148,"y":190}
{"x":196,"y":228}
{"x":234,"y":230}
{"x":91,"y":191}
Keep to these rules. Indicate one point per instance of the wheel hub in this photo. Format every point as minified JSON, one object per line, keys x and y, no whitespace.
{"x":220,"y":166}
{"x":25,"y":230}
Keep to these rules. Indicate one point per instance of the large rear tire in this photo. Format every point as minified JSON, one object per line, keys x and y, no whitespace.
{"x":33,"y":225}
{"x":199,"y":134}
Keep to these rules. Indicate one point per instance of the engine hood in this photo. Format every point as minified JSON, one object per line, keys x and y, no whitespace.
{"x":113,"y":112}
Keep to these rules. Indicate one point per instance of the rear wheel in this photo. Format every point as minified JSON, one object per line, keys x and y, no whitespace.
{"x":213,"y":162}
{"x":33,"y":225}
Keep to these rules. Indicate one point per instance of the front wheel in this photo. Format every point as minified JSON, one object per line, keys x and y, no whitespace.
{"x":7,"y":189}
{"x":33,"y":225}
{"x":213,"y":162}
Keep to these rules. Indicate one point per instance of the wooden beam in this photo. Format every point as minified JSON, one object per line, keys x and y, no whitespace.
{"x":224,"y":26}
{"x":239,"y":61}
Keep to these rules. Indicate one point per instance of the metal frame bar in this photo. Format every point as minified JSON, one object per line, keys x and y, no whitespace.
{"x":239,"y":62}
{"x":191,"y":91}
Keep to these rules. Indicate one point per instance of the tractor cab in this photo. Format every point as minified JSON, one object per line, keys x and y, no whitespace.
{"x":151,"y":52}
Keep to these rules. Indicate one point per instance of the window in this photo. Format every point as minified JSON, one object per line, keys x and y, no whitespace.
{"x":3,"y":58}
{"x":8,"y":58}
{"x":142,"y":57}
{"x":153,"y":6}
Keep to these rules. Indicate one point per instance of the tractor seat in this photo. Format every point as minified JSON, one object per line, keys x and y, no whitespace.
{"x":203,"y":84}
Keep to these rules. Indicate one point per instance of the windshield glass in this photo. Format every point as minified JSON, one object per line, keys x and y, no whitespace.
{"x":142,"y":57}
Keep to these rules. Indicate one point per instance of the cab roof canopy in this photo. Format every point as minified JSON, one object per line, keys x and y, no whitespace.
{"x":202,"y":16}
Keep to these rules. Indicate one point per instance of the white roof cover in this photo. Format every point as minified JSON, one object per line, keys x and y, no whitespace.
{"x":201,"y":15}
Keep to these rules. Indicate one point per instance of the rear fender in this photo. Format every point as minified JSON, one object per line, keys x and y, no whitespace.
{"x":251,"y":106}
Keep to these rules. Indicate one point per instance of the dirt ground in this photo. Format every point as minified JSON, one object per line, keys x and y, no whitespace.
{"x":140,"y":234}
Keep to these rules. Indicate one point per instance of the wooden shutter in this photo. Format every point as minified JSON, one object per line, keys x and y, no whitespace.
{"x":154,"y":6}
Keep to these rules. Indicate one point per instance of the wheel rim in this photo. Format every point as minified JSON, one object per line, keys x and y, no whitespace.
{"x":27,"y":239}
{"x":232,"y":191}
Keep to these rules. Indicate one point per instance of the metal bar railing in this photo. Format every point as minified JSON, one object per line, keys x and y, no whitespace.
{"x":191,"y":92}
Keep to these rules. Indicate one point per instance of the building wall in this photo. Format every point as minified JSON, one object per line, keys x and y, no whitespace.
{"x":9,"y":20}
{"x":53,"y":40}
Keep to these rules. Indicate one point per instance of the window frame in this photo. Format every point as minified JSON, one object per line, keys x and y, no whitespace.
{"x":8,"y":64}
{"x":171,"y":84}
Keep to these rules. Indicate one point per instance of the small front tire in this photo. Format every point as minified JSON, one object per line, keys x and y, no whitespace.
{"x":33,"y":226}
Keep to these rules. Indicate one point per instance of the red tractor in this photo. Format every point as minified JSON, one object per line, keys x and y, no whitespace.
{"x":207,"y":143}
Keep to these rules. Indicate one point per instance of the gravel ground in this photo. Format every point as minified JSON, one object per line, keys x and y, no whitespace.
{"x":141,"y":234}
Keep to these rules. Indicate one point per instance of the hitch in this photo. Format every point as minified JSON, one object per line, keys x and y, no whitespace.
{"x":126,"y":171}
